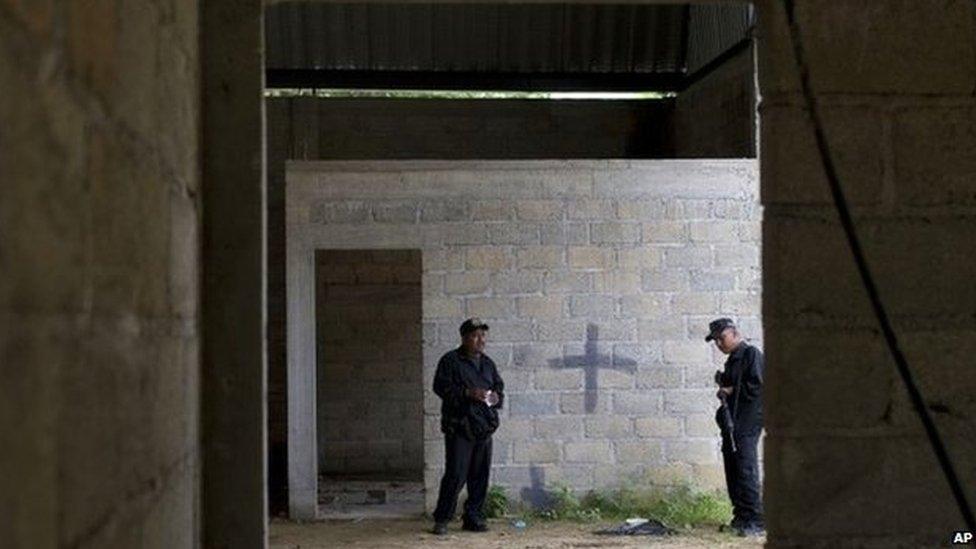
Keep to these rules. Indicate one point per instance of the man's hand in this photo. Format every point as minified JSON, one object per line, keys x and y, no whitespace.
{"x":477,"y":394}
{"x":723,"y":392}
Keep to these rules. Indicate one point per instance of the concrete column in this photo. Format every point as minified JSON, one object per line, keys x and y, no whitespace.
{"x":302,"y":463}
{"x":234,"y":406}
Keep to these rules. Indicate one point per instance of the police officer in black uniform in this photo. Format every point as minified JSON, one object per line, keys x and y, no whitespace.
{"x":471,"y":392}
{"x":740,"y":389}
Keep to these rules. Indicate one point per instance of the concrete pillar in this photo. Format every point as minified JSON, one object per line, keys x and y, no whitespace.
{"x":234,"y":445}
{"x":847,"y":463}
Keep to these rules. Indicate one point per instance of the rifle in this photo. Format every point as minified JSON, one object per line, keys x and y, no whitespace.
{"x":728,"y":427}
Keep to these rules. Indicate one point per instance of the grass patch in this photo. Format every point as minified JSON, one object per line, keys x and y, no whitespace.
{"x":680,"y":507}
{"x":496,"y":503}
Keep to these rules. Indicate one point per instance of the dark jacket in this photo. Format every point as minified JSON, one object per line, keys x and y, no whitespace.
{"x":744,"y":373}
{"x":461,"y":415}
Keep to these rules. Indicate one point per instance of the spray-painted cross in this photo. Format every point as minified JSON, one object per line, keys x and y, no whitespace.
{"x":591,"y":361}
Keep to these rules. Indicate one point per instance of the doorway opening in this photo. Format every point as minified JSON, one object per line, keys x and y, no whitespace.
{"x":369,"y":382}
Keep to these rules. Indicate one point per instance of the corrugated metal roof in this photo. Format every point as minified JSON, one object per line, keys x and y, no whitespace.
{"x":526,"y":38}
{"x":713,"y":29}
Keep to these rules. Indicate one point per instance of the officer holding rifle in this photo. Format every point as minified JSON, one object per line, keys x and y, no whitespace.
{"x":740,"y":419}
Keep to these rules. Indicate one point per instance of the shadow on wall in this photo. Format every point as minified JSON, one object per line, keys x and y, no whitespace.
{"x":535,"y":494}
{"x":591,"y":361}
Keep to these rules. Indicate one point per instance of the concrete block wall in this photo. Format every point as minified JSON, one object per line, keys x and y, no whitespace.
{"x":99,"y":294}
{"x":370,"y":391}
{"x":847,"y":463}
{"x":597,"y":278}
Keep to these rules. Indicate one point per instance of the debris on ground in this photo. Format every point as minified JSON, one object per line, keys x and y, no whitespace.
{"x":638,"y":527}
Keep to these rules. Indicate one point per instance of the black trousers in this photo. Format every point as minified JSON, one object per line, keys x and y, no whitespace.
{"x":742,"y":480}
{"x":467,"y":462}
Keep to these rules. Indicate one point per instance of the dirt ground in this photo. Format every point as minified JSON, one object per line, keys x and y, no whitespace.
{"x":414,"y":533}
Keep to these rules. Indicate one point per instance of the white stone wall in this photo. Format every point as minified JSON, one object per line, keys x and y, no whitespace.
{"x":597,"y":278}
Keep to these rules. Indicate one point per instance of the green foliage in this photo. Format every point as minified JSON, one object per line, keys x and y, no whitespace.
{"x":678,"y":507}
{"x":496,"y":504}
{"x":562,"y":504}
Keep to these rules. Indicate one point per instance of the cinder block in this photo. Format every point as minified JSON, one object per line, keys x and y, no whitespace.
{"x":558,"y":379}
{"x":637,"y":403}
{"x":687,"y":352}
{"x":584,"y":402}
{"x":645,"y":305}
{"x":568,"y":281}
{"x":492,"y":210}
{"x":490,"y":307}
{"x":562,"y":330}
{"x":517,"y":283}
{"x":615,"y":233}
{"x":734,"y":209}
{"x":444,"y":210}
{"x":588,"y":452}
{"x":635,"y":354}
{"x":688,"y":257}
{"x":690,"y":401}
{"x":692,"y":451}
{"x":443,"y":260}
{"x":531,"y":404}
{"x":590,"y":257}
{"x":659,"y":377}
{"x":713,"y":280}
{"x":520,"y":234}
{"x":592,"y":306}
{"x":536,"y":452}
{"x":516,"y":429}
{"x":695,"y":303}
{"x":492,"y":259}
{"x":540,"y":307}
{"x":641,"y":210}
{"x":352,"y":211}
{"x":467,"y":283}
{"x":541,"y":257}
{"x":395,"y":211}
{"x":738,"y":255}
{"x":564,"y":234}
{"x":591,"y":209}
{"x":613,"y":330}
{"x":665,"y":232}
{"x":540,"y":210}
{"x":640,"y":257}
{"x":663,"y":280}
{"x":689,"y":209}
{"x":608,"y":427}
{"x":579,"y":478}
{"x":620,"y":283}
{"x":442,"y":308}
{"x":535,"y":355}
{"x":701,"y":425}
{"x":658,"y":427}
{"x":511,"y":331}
{"x":713,"y":231}
{"x":654,"y":330}
{"x":643,"y":451}
{"x":558,"y":428}
{"x":672,"y":474}
{"x":741,"y":303}
{"x":615,"y":378}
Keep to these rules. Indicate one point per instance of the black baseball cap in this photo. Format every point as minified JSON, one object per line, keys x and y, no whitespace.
{"x":717,"y":326}
{"x":471,"y":325}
